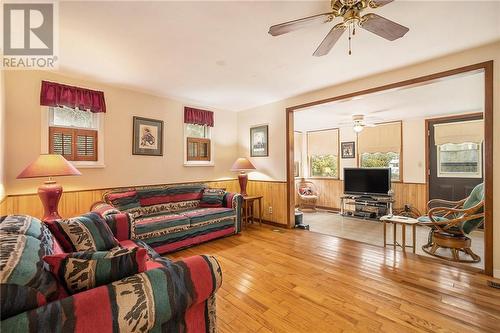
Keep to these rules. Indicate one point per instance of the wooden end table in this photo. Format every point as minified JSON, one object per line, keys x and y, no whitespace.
{"x":248,"y":211}
{"x":403,"y":221}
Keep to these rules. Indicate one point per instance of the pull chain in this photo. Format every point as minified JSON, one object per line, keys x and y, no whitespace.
{"x":349,"y":39}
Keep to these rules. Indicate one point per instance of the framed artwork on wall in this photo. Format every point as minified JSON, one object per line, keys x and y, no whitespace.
{"x":348,"y":149}
{"x":259,"y":141}
{"x":147,"y":137}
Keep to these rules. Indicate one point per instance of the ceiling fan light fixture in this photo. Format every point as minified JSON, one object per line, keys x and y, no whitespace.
{"x":357,"y":127}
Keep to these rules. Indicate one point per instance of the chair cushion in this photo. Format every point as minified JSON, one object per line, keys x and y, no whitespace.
{"x":24,"y":284}
{"x":476,"y":196}
{"x":79,"y":271}
{"x":209,"y":215}
{"x":212,"y":197}
{"x":88,"y":232}
{"x":426,"y":219}
{"x":156,"y":225}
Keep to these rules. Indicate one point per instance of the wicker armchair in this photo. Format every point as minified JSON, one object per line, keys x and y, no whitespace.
{"x":451,"y":225}
{"x":308,"y":195}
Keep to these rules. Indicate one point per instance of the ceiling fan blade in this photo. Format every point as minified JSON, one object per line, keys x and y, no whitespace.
{"x":331,"y":38}
{"x":379,"y":3}
{"x":383,"y":27}
{"x":283,"y":28}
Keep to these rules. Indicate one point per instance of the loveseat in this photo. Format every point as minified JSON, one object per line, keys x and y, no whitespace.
{"x":172,"y":217}
{"x":167,"y":297}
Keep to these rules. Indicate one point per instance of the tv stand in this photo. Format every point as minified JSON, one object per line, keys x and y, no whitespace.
{"x":366,"y":207}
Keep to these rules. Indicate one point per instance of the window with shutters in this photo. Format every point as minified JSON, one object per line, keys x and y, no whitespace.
{"x":198,"y":144}
{"x":73,"y":133}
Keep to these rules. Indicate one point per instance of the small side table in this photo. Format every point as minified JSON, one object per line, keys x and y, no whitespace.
{"x":403,"y":221}
{"x":248,"y":212}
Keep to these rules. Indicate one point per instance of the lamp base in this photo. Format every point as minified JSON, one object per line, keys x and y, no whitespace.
{"x":243,"y":179}
{"x":50,"y":194}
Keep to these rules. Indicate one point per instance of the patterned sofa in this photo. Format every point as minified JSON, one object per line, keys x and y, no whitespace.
{"x":169,"y":217}
{"x":167,"y":297}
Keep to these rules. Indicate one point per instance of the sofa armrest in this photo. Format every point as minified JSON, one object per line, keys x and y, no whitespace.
{"x":234,"y":201}
{"x":141,"y":302}
{"x":102,"y":208}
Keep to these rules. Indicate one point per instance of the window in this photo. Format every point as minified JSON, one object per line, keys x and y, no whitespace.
{"x":198,"y":143}
{"x":380,"y":147}
{"x":382,"y":160}
{"x":297,"y":146}
{"x":323,"y":152}
{"x":459,"y":160}
{"x":73,"y":133}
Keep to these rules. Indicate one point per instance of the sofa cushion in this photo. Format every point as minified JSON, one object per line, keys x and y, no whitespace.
{"x":154,"y":259}
{"x":127,"y":201}
{"x":155,"y":225}
{"x":169,"y":207}
{"x":24,"y":284}
{"x":155,"y":195}
{"x":212,"y":197}
{"x":88,"y":232}
{"x":209,"y":215}
{"x":79,"y":271}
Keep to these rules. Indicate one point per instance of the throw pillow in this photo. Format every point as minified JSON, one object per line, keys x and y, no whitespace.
{"x":212,"y":197}
{"x":88,"y":232}
{"x":79,"y":271}
{"x":125,"y":202}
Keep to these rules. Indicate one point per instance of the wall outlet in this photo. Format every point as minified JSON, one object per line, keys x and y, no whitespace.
{"x":270,"y":209}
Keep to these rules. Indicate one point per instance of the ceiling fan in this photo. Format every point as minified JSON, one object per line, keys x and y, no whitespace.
{"x":359,"y":123}
{"x":350,"y":12}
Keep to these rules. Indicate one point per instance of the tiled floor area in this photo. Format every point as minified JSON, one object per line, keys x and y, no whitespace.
{"x":371,"y":232}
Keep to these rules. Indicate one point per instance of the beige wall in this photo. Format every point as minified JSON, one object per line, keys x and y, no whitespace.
{"x":2,"y":136}
{"x":274,"y":114}
{"x":23,"y":128}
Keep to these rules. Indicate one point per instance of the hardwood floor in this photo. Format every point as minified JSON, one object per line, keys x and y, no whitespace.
{"x":299,"y":281}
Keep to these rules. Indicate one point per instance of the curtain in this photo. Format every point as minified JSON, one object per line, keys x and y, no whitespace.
{"x":55,"y":94}
{"x":383,"y":138}
{"x":198,"y":117}
{"x":323,"y":142}
{"x":459,"y":132}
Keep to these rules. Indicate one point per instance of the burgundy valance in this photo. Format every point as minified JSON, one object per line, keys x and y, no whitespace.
{"x":199,"y":117}
{"x":55,"y":94}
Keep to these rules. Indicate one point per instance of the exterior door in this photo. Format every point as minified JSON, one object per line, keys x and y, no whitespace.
{"x":454,"y":168}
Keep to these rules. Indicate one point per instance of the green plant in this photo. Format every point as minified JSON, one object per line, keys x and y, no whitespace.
{"x":324,"y":166}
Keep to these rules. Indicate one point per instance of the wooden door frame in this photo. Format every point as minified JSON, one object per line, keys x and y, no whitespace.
{"x":487,"y":68}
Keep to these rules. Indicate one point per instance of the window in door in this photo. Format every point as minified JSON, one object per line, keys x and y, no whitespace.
{"x":461,"y":160}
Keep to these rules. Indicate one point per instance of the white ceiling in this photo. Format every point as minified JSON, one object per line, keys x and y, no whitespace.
{"x":455,"y":95}
{"x":218,"y":54}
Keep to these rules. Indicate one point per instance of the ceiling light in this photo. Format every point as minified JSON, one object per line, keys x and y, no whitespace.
{"x":357,"y":128}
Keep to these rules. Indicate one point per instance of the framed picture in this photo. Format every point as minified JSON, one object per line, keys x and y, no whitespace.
{"x":348,"y":149}
{"x":259,"y":141}
{"x":147,"y":137}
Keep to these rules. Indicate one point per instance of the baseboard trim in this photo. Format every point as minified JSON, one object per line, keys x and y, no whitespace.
{"x":496,"y":273}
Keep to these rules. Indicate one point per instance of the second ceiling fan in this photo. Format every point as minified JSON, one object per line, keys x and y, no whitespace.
{"x":350,"y":12}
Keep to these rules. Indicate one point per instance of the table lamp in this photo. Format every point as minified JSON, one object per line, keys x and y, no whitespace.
{"x":49,"y":165}
{"x":242,"y":164}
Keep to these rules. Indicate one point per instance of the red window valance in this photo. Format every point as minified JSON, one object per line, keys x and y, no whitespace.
{"x":199,"y":117}
{"x":55,"y":94}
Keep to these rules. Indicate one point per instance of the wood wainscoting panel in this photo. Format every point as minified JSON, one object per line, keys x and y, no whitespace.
{"x":74,"y":203}
{"x":330,"y":191}
{"x":274,"y":195}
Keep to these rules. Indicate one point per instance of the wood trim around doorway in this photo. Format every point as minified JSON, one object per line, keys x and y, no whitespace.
{"x":487,"y":68}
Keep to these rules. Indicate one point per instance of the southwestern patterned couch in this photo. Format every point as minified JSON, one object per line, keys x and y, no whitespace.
{"x":172,"y":217}
{"x":168,"y":297}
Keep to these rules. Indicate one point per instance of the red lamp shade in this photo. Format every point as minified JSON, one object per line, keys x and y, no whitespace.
{"x":242,"y":164}
{"x":49,"y":165}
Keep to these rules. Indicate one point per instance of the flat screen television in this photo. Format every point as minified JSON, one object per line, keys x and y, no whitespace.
{"x":367,"y":181}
